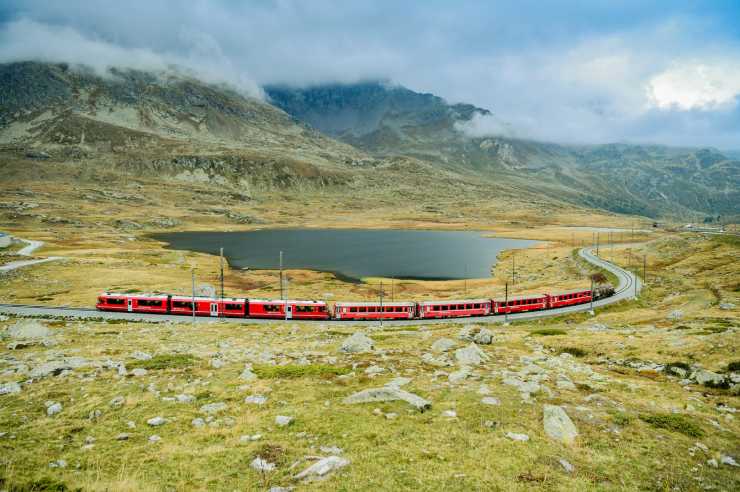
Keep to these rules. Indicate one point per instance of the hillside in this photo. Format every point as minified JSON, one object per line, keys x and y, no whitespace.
{"x":647,"y":180}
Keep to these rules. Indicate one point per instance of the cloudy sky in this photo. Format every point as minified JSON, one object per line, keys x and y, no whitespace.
{"x":588,"y":71}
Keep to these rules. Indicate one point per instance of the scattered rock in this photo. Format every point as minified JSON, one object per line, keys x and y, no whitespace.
{"x":10,"y":388}
{"x":558,"y":425}
{"x":374,"y":370}
{"x":53,"y":408}
{"x":198,"y":422}
{"x":675,"y":315}
{"x":256,"y":399}
{"x":517,"y":437}
{"x":331,"y":450}
{"x":727,"y":306}
{"x":211,"y":408}
{"x":490,"y":400}
{"x":139,"y":371}
{"x":449,"y":414}
{"x":141,"y":355}
{"x":460,"y":375}
{"x":261,"y":465}
{"x":28,"y":328}
{"x":322,"y":467}
{"x":154,"y":438}
{"x":122,"y":436}
{"x":441,"y":361}
{"x":357,"y":343}
{"x":118,"y":401}
{"x":728,"y":460}
{"x":283,"y":420}
{"x":566,"y":465}
{"x":247,"y":374}
{"x":703,"y":376}
{"x":217,"y":363}
{"x":252,"y":438}
{"x":37,"y":154}
{"x":156,"y":421}
{"x":58,"y":464}
{"x":388,"y":393}
{"x":471,"y":355}
{"x":443,"y":345}
{"x":184,"y":398}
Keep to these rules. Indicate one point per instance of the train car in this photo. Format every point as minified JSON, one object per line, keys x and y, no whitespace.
{"x":230,"y":307}
{"x":279,"y":309}
{"x":521,"y":304}
{"x":569,"y":298}
{"x":134,"y":303}
{"x":374,"y":310}
{"x":454,"y":309}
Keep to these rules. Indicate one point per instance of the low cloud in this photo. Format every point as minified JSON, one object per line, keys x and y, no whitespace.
{"x":697,"y":86}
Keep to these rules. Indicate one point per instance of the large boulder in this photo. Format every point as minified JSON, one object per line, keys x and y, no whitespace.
{"x":357,"y":343}
{"x":471,"y":355}
{"x":389,"y":393}
{"x":702,"y":376}
{"x":558,"y":425}
{"x":443,"y":345}
{"x":28,"y":328}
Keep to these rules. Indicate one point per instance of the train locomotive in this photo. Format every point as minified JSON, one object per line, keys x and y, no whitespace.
{"x":242,"y":307}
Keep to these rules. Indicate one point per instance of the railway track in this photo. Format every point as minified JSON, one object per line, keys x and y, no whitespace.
{"x":628,"y":288}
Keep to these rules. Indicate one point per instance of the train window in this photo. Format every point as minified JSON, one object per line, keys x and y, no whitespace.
{"x":363,"y":309}
{"x":182,"y":304}
{"x":304,"y":309}
{"x":271,"y":308}
{"x":233,"y":307}
{"x":353,"y":310}
{"x":116,"y":301}
{"x":150,"y":303}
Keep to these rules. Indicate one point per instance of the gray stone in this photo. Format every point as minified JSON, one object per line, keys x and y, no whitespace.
{"x":449,"y":414}
{"x":490,"y":400}
{"x":156,"y":421}
{"x":443,"y":345}
{"x":211,"y":408}
{"x":123,"y":436}
{"x":283,"y":420}
{"x":703,"y":376}
{"x":10,"y":388}
{"x":58,"y":464}
{"x":357,"y":343}
{"x":566,"y":465}
{"x":139,"y":371}
{"x":118,"y":401}
{"x":256,"y":399}
{"x":558,"y":425}
{"x":331,"y":450}
{"x":675,"y":315}
{"x":53,"y":408}
{"x":398,"y":382}
{"x":28,"y":328}
{"x":471,"y":355}
{"x":460,"y":375}
{"x":247,"y":374}
{"x":374,"y":370}
{"x":198,"y":422}
{"x":517,"y":437}
{"x":727,"y":306}
{"x":388,"y":393}
{"x":217,"y":363}
{"x":154,"y":438}
{"x":728,"y":460}
{"x":483,"y":337}
{"x":261,"y":465}
{"x":322,"y":468}
{"x":441,"y":361}
{"x":184,"y":398}
{"x":141,"y":355}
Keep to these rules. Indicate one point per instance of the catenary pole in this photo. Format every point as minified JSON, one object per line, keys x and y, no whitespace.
{"x":192,"y":274}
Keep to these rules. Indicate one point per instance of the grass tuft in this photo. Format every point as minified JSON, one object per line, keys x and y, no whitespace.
{"x":293,"y":371}
{"x":734,"y":366}
{"x":165,"y":361}
{"x":673,"y":422}
{"x":574,"y":351}
{"x":547,"y":332}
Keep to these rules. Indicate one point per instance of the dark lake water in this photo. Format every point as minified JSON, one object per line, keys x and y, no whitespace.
{"x":352,"y":254}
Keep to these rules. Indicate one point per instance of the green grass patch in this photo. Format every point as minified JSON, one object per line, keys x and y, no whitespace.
{"x":734,"y":366}
{"x":574,"y":351}
{"x":165,"y":361}
{"x":37,"y":485}
{"x":294,"y":371}
{"x":673,"y":422}
{"x":678,"y":364}
{"x":620,"y":418}
{"x":547,"y":332}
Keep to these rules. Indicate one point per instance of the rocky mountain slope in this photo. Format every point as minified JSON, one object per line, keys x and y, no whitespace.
{"x":648,"y":180}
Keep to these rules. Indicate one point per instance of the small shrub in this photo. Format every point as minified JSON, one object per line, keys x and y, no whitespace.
{"x":679,"y":364}
{"x":293,"y":371}
{"x":165,"y":361}
{"x":272,"y":453}
{"x":548,"y":332}
{"x":574,"y":351}
{"x":45,"y":484}
{"x":734,"y":366}
{"x":673,"y":422}
{"x":621,"y":418}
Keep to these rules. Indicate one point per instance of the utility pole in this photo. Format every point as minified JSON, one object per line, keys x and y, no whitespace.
{"x":285,"y":305}
{"x":381,"y":303}
{"x":392,"y":298}
{"x":644,"y":269}
{"x":592,"y":295}
{"x":513,"y":269}
{"x":192,"y":274}
{"x":281,"y":275}
{"x":597,"y":244}
{"x":222,"y":280}
{"x":466,"y":280}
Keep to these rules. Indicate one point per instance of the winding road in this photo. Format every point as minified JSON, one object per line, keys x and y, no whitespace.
{"x":28,"y":251}
{"x":628,"y":288}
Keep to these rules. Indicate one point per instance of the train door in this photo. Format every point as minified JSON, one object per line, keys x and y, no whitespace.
{"x":214,"y":309}
{"x":130,"y":304}
{"x":288,"y":311}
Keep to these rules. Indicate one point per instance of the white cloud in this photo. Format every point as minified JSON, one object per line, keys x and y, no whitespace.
{"x":482,"y":125}
{"x":696,"y":85}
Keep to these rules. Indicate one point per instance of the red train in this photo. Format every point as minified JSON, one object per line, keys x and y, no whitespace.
{"x":241,"y":307}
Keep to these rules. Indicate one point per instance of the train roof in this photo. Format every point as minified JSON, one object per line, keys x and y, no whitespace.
{"x":566,"y":292}
{"x":361,"y":303}
{"x":455,"y":301}
{"x":207,"y":298}
{"x":519,"y":298}
{"x":137,"y":295}
{"x":291,"y":301}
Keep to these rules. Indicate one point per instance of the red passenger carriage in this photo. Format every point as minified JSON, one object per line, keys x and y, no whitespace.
{"x":374,"y":310}
{"x":521,"y":304}
{"x":569,"y":298}
{"x":279,"y":309}
{"x":455,"y":309}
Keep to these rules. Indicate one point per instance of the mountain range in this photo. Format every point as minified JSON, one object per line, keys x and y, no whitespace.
{"x":339,"y":138}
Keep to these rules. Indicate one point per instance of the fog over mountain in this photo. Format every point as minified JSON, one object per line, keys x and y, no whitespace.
{"x":572,"y":73}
